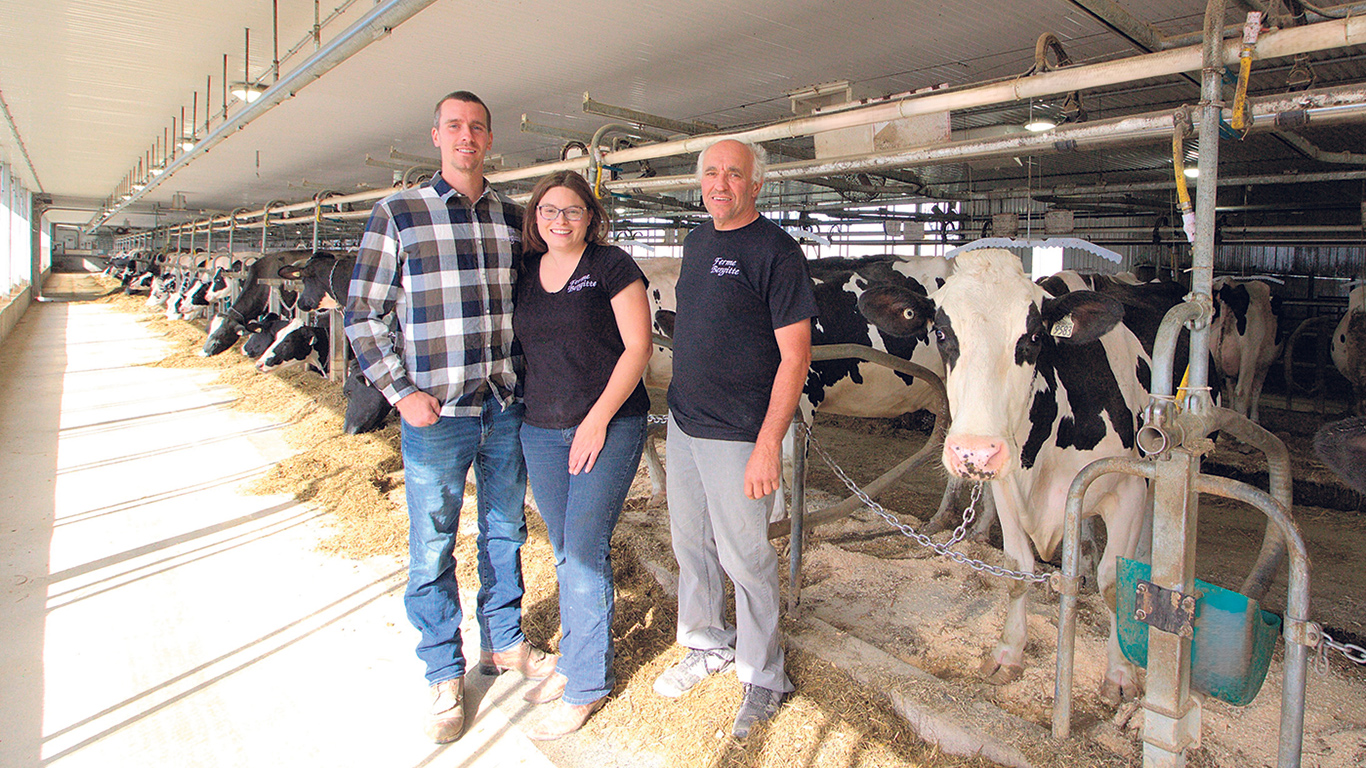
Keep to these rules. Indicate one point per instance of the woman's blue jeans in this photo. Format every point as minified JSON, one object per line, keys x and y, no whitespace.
{"x":580,"y":512}
{"x":436,"y":460}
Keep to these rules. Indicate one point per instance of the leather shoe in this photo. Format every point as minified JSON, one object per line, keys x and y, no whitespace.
{"x":446,"y":718}
{"x":532,"y":662}
{"x":563,"y":720}
{"x":547,"y":690}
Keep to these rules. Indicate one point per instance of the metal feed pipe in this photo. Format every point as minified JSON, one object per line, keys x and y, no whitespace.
{"x":372,"y":26}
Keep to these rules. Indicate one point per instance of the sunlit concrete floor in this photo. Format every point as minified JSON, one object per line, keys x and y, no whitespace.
{"x":155,"y":616}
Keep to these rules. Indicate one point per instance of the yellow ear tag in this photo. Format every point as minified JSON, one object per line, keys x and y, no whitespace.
{"x":1063,"y":328}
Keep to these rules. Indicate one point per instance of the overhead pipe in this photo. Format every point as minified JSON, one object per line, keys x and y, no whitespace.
{"x":372,"y":26}
{"x":1329,"y":105}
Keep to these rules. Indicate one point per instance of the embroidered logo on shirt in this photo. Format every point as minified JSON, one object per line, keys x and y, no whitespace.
{"x":581,"y":283}
{"x":725,"y":267}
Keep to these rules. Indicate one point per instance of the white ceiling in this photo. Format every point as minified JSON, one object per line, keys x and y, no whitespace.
{"x":92,"y":84}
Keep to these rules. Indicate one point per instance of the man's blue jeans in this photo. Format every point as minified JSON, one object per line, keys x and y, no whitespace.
{"x":436,"y":460}
{"x":580,"y":512}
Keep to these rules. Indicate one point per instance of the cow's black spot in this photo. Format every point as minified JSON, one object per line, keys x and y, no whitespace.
{"x":1043,"y":411}
{"x":946,"y":339}
{"x":1092,"y":389}
{"x":1028,"y":345}
{"x":1238,"y":300}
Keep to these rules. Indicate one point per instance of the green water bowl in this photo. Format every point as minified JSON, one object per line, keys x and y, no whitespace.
{"x":1232,"y":643}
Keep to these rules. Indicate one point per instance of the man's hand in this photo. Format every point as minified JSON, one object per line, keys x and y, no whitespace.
{"x":419,"y":409}
{"x":764,"y":469}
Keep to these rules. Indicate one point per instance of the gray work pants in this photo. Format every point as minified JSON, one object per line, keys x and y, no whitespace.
{"x":717,"y":528}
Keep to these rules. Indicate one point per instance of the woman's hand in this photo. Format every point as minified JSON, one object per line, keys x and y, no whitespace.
{"x":588,"y":440}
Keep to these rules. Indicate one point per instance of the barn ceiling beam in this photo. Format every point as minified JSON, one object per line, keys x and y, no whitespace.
{"x":1138,"y":32}
{"x":376,"y":24}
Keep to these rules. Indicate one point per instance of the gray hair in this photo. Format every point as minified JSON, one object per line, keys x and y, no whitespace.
{"x":756,"y":151}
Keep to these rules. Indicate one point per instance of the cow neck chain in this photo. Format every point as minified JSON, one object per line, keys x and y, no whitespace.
{"x":943,"y":550}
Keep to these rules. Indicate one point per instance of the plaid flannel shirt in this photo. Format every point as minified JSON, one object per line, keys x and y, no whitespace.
{"x":445,"y":270}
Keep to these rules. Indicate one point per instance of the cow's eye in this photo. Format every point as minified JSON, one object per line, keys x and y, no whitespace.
{"x":939,"y":334}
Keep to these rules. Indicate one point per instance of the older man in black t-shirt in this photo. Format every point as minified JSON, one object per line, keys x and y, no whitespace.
{"x":742,"y":346}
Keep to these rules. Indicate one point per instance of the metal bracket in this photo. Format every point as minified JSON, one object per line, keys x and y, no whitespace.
{"x":1306,"y":633}
{"x":1063,"y":585}
{"x":1164,"y":609}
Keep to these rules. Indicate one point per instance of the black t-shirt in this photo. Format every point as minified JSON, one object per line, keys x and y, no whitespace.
{"x":735,"y":287}
{"x":570,"y":339}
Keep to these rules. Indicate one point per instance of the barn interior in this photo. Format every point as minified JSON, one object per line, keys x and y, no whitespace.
{"x":892,"y":126}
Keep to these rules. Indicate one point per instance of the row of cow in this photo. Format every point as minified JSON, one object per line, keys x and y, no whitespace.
{"x":1042,"y":379}
{"x":276,"y":334}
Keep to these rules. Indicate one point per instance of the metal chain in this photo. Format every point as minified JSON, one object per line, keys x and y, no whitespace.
{"x":1354,"y":653}
{"x":925,"y":541}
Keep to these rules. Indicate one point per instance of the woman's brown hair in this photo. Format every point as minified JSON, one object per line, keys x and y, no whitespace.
{"x":572,"y":181}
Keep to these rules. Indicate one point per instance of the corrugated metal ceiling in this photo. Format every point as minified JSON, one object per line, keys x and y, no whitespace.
{"x":92,"y":84}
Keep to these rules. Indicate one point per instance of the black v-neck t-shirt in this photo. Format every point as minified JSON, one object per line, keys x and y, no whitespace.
{"x":570,"y":339}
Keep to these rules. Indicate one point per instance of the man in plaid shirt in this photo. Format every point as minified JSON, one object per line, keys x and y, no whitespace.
{"x":429,"y":316}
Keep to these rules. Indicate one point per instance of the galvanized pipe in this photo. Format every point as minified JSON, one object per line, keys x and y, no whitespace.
{"x":796,"y":543}
{"x":1296,"y":663}
{"x":1070,"y":584}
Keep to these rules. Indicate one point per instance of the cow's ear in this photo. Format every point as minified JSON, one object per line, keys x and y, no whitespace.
{"x":664,"y":321}
{"x":1081,"y":317}
{"x":896,"y":311}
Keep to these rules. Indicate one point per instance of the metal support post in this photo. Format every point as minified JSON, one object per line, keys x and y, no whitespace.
{"x":797,"y":540}
{"x":1172,"y":717}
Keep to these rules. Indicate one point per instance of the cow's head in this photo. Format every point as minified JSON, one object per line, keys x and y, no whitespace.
{"x":316,"y":275}
{"x":995,"y":330}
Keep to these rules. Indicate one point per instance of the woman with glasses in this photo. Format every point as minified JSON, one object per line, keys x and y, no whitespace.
{"x":583,"y":321}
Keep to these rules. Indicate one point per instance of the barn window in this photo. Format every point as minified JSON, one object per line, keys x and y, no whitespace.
{"x":1046,"y":261}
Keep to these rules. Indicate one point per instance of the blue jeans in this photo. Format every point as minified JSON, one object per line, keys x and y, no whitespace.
{"x":436,"y":460}
{"x":580,"y":512}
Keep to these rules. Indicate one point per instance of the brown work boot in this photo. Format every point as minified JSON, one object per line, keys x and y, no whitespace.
{"x":446,"y":719}
{"x":532,"y":662}
{"x":547,"y":690}
{"x":563,"y":720}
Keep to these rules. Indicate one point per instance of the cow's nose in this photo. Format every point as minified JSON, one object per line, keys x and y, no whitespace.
{"x":975,"y":456}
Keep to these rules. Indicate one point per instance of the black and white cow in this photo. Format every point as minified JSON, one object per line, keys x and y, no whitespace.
{"x":296,"y":345}
{"x":326,"y":278}
{"x":252,"y":301}
{"x":1349,"y":347}
{"x":842,"y":387}
{"x":366,"y":407}
{"x":1242,"y":340}
{"x":1039,"y":387}
{"x":260,"y":334}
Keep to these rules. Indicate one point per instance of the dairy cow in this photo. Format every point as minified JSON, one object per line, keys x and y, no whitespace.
{"x":1242,"y":340}
{"x":260,"y":334}
{"x":252,"y":301}
{"x":843,"y":387}
{"x":326,"y":278}
{"x":366,"y":407}
{"x":296,"y":345}
{"x":1349,"y":347}
{"x":1039,"y":387}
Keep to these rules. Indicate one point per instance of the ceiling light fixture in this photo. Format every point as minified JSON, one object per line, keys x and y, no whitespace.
{"x":1191,"y":171}
{"x":1040,"y":122}
{"x":187,"y":143}
{"x":247,"y":92}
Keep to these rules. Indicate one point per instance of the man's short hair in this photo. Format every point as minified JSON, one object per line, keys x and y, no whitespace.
{"x":756,"y":151}
{"x":468,"y":98}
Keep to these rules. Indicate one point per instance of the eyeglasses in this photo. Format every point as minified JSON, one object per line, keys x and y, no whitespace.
{"x":550,"y":212}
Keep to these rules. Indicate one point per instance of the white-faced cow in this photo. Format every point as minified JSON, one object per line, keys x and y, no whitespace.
{"x":1349,"y":347}
{"x":1039,"y":387}
{"x":252,"y":301}
{"x":1242,"y":340}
